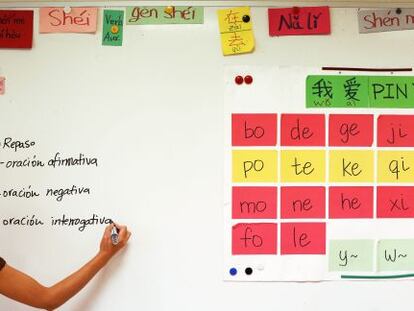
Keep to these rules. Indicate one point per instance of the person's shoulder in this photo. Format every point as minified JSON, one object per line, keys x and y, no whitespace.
{"x":2,"y":263}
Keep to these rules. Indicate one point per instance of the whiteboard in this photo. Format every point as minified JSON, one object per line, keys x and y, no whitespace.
{"x":152,"y":113}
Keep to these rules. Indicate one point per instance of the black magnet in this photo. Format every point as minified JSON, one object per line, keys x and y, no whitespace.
{"x":246,"y":18}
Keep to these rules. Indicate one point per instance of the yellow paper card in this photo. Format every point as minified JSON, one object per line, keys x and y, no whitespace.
{"x":395,"y":166}
{"x":303,"y":165}
{"x":237,"y":42}
{"x":254,"y":166}
{"x":351,"y":166}
{"x":234,"y":19}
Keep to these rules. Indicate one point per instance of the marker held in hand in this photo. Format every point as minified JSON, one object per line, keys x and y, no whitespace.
{"x":114,"y":235}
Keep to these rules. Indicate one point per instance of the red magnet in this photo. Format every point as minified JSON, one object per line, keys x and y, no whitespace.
{"x":248,"y":79}
{"x":238,"y":80}
{"x":295,"y":10}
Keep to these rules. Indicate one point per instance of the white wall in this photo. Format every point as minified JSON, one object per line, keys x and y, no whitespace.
{"x":152,"y":111}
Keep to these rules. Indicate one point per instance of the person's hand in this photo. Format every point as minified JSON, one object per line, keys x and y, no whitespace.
{"x":107,"y":249}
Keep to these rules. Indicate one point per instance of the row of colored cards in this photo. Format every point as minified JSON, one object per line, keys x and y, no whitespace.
{"x":359,"y":255}
{"x":309,"y":166}
{"x":333,"y":91}
{"x":353,"y":130}
{"x":296,"y":238}
{"x":310,"y":202}
{"x":310,"y":239}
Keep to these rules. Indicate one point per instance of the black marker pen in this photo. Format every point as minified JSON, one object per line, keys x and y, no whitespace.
{"x":114,"y":235}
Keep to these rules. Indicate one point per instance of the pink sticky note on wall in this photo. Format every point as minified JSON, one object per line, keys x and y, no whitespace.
{"x":77,"y":20}
{"x":396,"y":131}
{"x":254,"y":202}
{"x":395,"y":202}
{"x":2,"y":85}
{"x":303,"y":202}
{"x":256,"y":238}
{"x":303,"y":130}
{"x":254,"y":129}
{"x":303,"y":238}
{"x":355,"y":130}
{"x":299,"y":21}
{"x":351,"y":202}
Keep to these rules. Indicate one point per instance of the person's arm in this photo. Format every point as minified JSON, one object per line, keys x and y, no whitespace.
{"x":21,"y":287}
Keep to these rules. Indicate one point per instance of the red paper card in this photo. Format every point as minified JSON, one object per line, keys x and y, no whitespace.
{"x":254,"y":202}
{"x":16,"y":29}
{"x":299,"y":21}
{"x":257,"y":238}
{"x":303,"y":238}
{"x":395,"y":202}
{"x":351,"y":202}
{"x":303,"y":202}
{"x":303,"y":130}
{"x":254,"y":129}
{"x":355,"y":130}
{"x":396,"y":131}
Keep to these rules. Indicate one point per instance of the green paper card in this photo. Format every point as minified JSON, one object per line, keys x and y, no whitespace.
{"x":395,"y":255}
{"x":113,"y":24}
{"x":391,"y":92}
{"x":337,"y":91}
{"x":155,"y":15}
{"x":351,"y":255}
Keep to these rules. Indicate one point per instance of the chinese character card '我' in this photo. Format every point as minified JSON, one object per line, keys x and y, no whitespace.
{"x":319,"y":175}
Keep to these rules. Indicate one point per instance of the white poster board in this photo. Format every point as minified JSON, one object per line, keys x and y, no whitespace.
{"x":296,"y":242}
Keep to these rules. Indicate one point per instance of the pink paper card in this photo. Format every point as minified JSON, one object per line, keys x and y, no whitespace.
{"x":254,"y":202}
{"x":395,"y":202}
{"x":354,"y":130}
{"x":77,"y":20}
{"x":396,"y":131}
{"x":303,"y":238}
{"x":299,"y":21}
{"x":303,"y":202}
{"x":351,"y":202}
{"x":254,"y":129}
{"x":254,"y":238}
{"x":2,"y":85}
{"x":303,"y":130}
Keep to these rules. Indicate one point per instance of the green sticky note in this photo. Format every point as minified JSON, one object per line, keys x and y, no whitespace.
{"x":329,"y":91}
{"x":113,"y":24}
{"x":395,"y":255}
{"x":154,"y":15}
{"x":351,"y":255}
{"x":391,"y":92}
{"x":320,"y":91}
